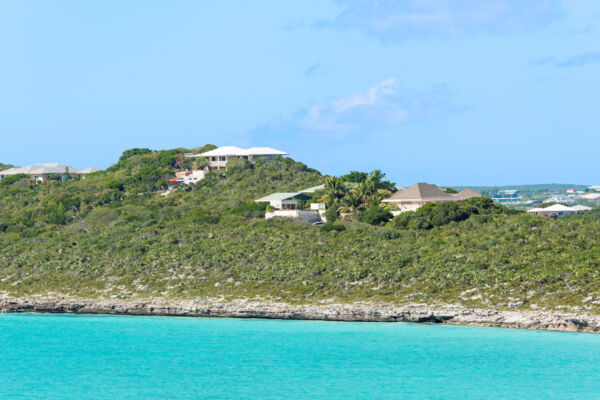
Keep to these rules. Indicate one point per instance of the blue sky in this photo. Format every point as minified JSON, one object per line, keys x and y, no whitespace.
{"x":454,"y":92}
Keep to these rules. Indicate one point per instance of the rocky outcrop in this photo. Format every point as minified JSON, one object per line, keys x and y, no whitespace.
{"x":363,"y":311}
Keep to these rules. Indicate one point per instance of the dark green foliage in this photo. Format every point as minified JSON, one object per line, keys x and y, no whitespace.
{"x":332,"y":227}
{"x":133,"y":152}
{"x":87,"y":238}
{"x":115,"y":184}
{"x":332,"y":214}
{"x":9,"y":180}
{"x":439,"y":214}
{"x":235,"y":166}
{"x":389,"y":234}
{"x":4,"y":167}
{"x":250,"y":210}
{"x":376,"y":215}
{"x":355,"y":177}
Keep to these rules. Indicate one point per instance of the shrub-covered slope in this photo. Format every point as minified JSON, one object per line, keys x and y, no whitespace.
{"x":112,"y":234}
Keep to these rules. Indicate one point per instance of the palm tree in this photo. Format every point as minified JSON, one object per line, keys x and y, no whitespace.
{"x":334,"y":191}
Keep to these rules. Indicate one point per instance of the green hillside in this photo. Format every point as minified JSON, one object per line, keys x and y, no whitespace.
{"x":113,"y":235}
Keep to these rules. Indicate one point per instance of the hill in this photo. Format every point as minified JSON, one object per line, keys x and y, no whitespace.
{"x":113,"y":235}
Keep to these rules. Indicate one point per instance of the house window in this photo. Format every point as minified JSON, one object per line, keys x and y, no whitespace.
{"x":223,"y":158}
{"x":213,"y":159}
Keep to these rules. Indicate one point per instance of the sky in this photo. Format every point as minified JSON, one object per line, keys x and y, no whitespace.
{"x":453,"y":92}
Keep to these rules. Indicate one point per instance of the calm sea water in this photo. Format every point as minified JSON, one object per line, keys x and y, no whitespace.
{"x":111,"y":357}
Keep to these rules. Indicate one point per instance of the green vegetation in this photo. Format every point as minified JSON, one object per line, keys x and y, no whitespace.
{"x":5,"y":166}
{"x":113,"y":234}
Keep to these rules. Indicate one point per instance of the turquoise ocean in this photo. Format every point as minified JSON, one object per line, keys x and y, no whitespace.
{"x":120,"y":357}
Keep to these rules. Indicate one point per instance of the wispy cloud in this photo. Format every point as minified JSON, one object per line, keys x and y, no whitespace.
{"x":577,"y":60}
{"x":402,"y":19}
{"x":381,"y":106}
{"x":313,"y":69}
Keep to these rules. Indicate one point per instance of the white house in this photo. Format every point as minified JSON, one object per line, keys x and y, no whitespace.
{"x":189,"y":176}
{"x":558,"y":210}
{"x":40,"y":172}
{"x":218,"y":157}
{"x":286,"y":205}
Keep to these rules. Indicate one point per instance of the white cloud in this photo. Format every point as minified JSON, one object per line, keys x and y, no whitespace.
{"x":402,"y":19}
{"x":382,"y":106}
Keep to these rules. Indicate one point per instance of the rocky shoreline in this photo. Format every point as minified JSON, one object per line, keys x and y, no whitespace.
{"x":362,"y":311}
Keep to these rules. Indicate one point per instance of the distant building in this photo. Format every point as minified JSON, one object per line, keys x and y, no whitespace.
{"x":466,"y":194}
{"x":590,"y":196}
{"x":218,"y":158}
{"x":594,"y":188}
{"x":189,"y":176}
{"x":558,"y":210}
{"x":289,"y":200}
{"x":41,"y":172}
{"x":286,"y":205}
{"x":419,"y":194}
{"x":559,"y":198}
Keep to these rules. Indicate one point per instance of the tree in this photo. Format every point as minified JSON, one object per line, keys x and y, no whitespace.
{"x":376,"y":215}
{"x":334,"y":191}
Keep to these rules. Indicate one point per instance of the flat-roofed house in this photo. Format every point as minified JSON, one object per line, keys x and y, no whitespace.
{"x":218,"y":158}
{"x":558,"y":210}
{"x":419,"y":194}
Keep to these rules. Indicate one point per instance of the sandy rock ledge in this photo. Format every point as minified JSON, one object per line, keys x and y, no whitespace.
{"x":363,"y":311}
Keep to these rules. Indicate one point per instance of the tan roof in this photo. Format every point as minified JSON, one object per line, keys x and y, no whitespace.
{"x":467,"y":194}
{"x":420,"y":192}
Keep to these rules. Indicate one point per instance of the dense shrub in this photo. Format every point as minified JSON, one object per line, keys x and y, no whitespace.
{"x":9,"y":180}
{"x":376,"y":215}
{"x":330,"y":227}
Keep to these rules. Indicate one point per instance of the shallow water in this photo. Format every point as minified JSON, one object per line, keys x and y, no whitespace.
{"x":114,"y":357}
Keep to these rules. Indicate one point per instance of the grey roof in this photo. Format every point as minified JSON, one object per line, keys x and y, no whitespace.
{"x":89,"y":170}
{"x":420,"y":192}
{"x":580,"y":207}
{"x":40,"y":169}
{"x":313,"y":189}
{"x":236,"y":151}
{"x":289,"y":195}
{"x":277,"y":197}
{"x":466,"y":194}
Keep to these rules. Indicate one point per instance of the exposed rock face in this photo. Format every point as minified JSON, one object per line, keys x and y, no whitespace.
{"x":375,"y":312}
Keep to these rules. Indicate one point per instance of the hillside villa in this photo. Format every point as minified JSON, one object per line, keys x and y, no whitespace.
{"x":218,"y":158}
{"x":188,"y":176}
{"x":286,"y":205}
{"x":558,"y":210}
{"x":41,"y":172}
{"x":419,"y":194}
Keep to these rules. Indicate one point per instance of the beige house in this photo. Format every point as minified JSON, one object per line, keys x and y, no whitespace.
{"x":419,"y":194}
{"x":466,"y":194}
{"x":218,"y":158}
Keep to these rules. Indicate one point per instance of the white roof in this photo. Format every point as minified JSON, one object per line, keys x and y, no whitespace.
{"x":264,"y":151}
{"x":555,"y":208}
{"x":89,"y":170}
{"x":224,"y":151}
{"x":35,"y":169}
{"x":580,"y":207}
{"x":237,"y":151}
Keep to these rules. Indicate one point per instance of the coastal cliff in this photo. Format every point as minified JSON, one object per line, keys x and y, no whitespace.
{"x":363,"y":311}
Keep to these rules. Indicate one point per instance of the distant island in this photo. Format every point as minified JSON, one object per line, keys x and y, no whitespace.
{"x":173,"y":233}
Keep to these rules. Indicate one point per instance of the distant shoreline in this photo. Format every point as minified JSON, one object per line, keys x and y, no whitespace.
{"x":355,"y":312}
